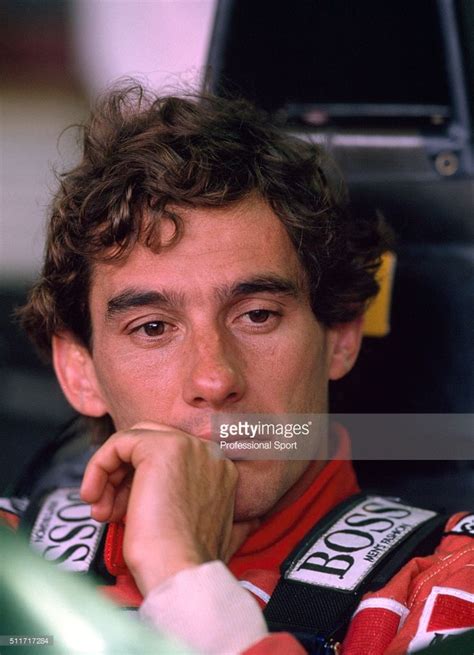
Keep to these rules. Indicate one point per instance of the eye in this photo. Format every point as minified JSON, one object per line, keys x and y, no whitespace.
{"x":152,"y":328}
{"x":260,"y":315}
{"x":260,"y":319}
{"x":152,"y":332}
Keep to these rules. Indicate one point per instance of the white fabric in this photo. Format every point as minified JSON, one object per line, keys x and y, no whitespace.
{"x":206,"y":608}
{"x":255,"y":590}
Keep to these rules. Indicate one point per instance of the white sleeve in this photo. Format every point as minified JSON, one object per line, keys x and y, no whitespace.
{"x":206,"y":608}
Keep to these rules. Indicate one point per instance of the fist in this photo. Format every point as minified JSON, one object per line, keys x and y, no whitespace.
{"x":178,"y":495}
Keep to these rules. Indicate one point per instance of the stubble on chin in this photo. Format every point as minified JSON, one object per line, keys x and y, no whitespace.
{"x":262,"y":485}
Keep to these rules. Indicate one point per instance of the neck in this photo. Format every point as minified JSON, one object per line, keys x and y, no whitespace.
{"x":312,"y":470}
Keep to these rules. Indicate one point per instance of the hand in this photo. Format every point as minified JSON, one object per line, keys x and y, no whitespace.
{"x":178,"y":496}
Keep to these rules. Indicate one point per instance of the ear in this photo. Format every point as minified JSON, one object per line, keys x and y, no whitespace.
{"x":76,"y":374}
{"x":344,"y":342}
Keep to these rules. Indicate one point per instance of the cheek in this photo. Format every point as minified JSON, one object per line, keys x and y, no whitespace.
{"x":135,"y":389}
{"x":296,"y":371}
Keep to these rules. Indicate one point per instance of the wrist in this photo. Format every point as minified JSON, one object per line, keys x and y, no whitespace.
{"x":148,"y":580}
{"x":157,"y":564}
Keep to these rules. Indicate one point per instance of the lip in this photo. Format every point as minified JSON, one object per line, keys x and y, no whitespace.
{"x":202,"y":428}
{"x":207,"y":435}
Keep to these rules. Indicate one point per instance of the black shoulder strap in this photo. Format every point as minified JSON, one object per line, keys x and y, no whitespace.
{"x":356,"y":548}
{"x":60,"y":462}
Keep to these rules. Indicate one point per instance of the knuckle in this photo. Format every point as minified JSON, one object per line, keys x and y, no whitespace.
{"x":174,"y":445}
{"x":112,"y":440}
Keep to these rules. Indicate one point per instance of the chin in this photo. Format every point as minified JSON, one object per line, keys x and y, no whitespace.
{"x":262,"y":484}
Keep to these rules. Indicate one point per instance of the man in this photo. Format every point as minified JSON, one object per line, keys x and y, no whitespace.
{"x":200,"y":262}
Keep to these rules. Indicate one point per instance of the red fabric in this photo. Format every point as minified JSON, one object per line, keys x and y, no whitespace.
{"x":113,"y":549}
{"x":376,"y":627}
{"x":451,"y":611}
{"x":7,"y":518}
{"x":124,"y":591}
{"x":446,"y":577}
{"x":266,"y":581}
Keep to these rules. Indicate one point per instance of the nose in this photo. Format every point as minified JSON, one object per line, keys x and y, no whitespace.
{"x":214,"y":376}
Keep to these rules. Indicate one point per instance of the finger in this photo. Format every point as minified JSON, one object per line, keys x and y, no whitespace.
{"x":93,"y":483}
{"x":108,"y":464}
{"x":95,"y":479}
{"x":101,"y":509}
{"x":112,"y":505}
{"x":121,"y":500}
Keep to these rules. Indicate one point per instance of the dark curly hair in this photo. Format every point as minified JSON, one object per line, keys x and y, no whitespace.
{"x":148,"y":155}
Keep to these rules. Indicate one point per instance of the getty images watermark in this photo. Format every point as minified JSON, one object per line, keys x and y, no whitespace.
{"x":269,"y":436}
{"x":372,"y":436}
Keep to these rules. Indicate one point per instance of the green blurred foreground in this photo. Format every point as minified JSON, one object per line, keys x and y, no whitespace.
{"x":37,"y":600}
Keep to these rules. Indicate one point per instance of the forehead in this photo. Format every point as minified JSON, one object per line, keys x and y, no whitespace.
{"x":218,"y":245}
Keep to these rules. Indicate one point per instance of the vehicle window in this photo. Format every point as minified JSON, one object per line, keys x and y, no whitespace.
{"x":331,"y":52}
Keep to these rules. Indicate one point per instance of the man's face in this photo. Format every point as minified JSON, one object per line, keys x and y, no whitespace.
{"x":219,"y":322}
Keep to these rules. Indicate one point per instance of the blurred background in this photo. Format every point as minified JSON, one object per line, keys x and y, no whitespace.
{"x":55,"y":56}
{"x":387,"y":87}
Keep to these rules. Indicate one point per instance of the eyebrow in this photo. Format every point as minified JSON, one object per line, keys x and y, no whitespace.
{"x":133,"y":297}
{"x":274,"y":284}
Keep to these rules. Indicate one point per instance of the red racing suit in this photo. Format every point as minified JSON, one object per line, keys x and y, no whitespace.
{"x":428,"y":600}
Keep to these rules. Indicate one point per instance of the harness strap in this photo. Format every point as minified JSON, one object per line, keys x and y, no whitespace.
{"x":355,"y":548}
{"x":60,"y":528}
